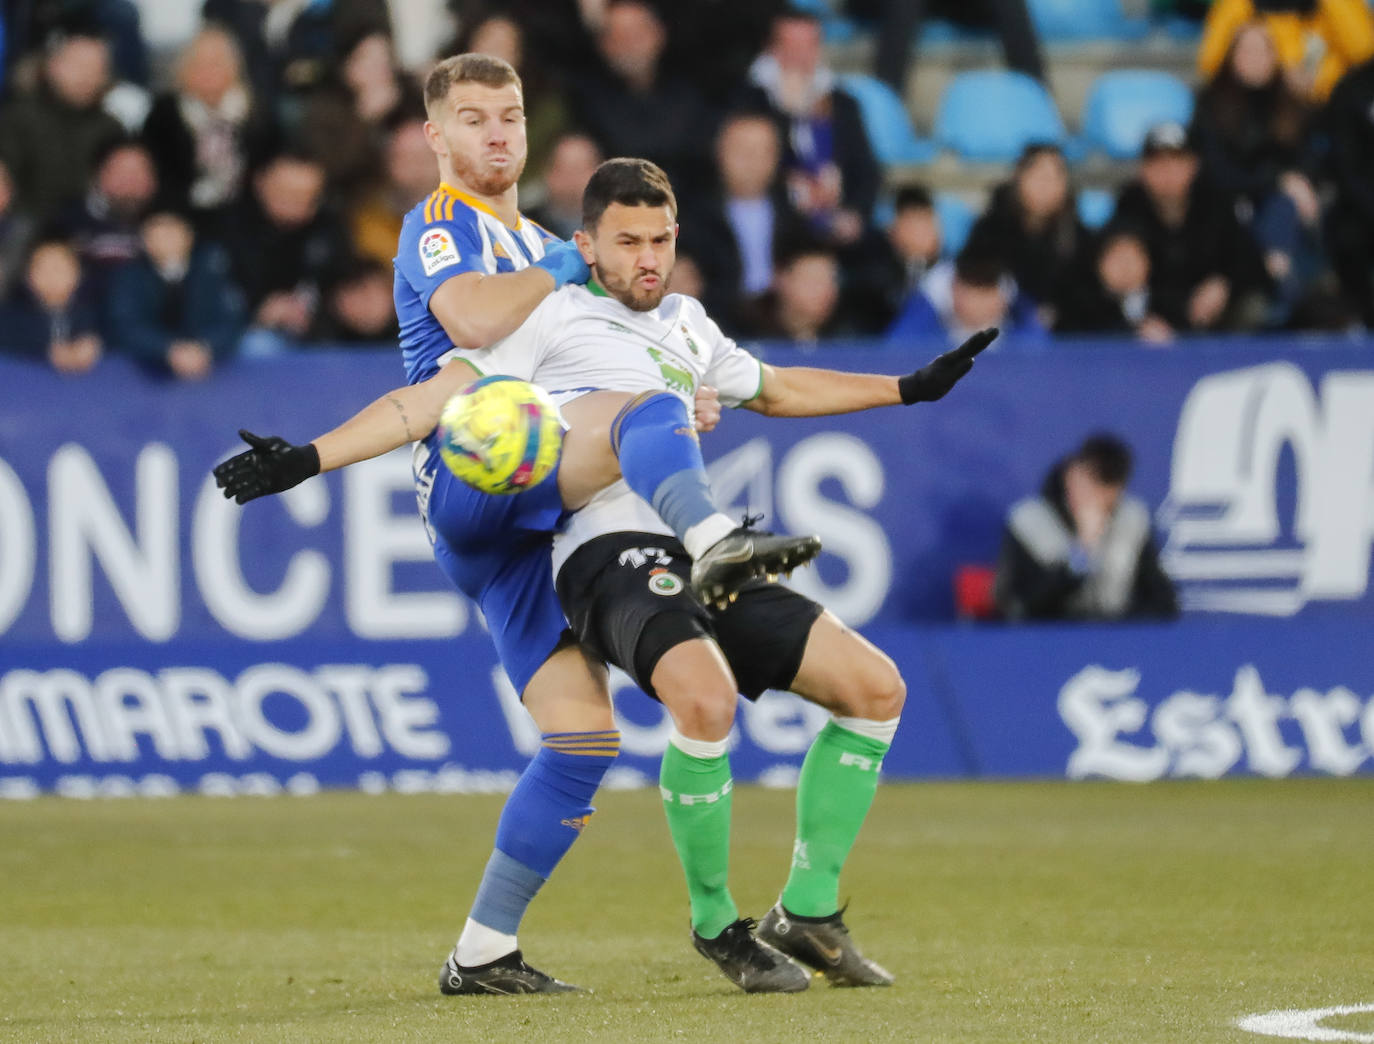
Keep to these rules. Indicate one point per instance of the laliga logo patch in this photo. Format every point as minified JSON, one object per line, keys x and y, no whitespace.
{"x":437,"y":250}
{"x":662,"y":582}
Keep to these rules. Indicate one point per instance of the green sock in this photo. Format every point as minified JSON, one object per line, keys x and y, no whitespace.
{"x":696,"y":800}
{"x":838,"y":780}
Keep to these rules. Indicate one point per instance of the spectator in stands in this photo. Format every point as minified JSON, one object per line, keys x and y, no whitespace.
{"x":15,"y":231}
{"x":1317,"y":40}
{"x":51,"y":314}
{"x":1083,"y":549}
{"x":202,"y":132}
{"x":1349,"y":123}
{"x":915,"y":237}
{"x":375,"y":220}
{"x":712,"y":44}
{"x":105,"y":225}
{"x":831,"y":171}
{"x":344,"y":120}
{"x":282,"y":244}
{"x":546,"y":115}
{"x":630,"y":107}
{"x":1205,"y":272}
{"x":803,"y":305}
{"x":900,"y":23}
{"x":116,"y":21}
{"x":572,"y":162}
{"x":1250,"y":129}
{"x":287,"y":45}
{"x":1033,"y":219}
{"x":737,"y":232}
{"x":174,"y":307}
{"x":960,"y":297}
{"x":51,"y":135}
{"x":358,"y":307}
{"x":1111,"y":295}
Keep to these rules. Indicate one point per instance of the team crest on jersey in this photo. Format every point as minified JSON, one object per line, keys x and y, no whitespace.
{"x":437,"y":250}
{"x":687,"y":336}
{"x":662,"y":582}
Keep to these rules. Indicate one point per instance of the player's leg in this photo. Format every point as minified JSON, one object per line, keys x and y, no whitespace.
{"x":775,"y":638}
{"x":843,"y":672}
{"x":568,"y":698}
{"x":695,"y":685}
{"x":649,"y":439}
{"x":628,"y":598}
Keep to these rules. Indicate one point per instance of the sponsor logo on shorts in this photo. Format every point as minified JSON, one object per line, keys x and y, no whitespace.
{"x":662,"y":582}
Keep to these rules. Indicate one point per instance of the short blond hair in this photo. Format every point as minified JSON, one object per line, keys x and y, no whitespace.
{"x":486,"y":69}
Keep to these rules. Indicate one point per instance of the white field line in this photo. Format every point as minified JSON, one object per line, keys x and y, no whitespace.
{"x":1305,"y":1024}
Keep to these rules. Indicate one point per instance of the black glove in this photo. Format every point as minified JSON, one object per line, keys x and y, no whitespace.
{"x":273,"y":465}
{"x":935,"y":379}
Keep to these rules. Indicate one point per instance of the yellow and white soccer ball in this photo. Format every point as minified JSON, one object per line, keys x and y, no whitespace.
{"x":501,"y":434}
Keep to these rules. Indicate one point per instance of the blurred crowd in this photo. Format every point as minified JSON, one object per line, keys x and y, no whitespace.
{"x":244,"y":194}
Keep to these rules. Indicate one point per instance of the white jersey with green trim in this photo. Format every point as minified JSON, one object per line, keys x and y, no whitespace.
{"x":580,"y":340}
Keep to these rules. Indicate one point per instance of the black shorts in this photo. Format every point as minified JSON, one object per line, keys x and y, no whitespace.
{"x":629,"y":600}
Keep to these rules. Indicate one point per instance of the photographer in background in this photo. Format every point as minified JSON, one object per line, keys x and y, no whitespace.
{"x":1083,"y":549}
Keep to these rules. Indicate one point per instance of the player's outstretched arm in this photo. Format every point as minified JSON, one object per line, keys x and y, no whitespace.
{"x":273,"y":465}
{"x":803,"y":391}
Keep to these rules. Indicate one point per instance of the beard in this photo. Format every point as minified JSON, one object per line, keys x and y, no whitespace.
{"x":634,"y":298}
{"x":483,"y":181}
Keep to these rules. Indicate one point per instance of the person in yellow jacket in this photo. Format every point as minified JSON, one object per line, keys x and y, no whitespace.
{"x":1317,"y":40}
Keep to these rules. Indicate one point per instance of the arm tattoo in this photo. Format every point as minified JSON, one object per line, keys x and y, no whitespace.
{"x":405,"y":421}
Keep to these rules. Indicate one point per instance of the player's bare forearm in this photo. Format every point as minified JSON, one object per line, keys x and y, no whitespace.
{"x":398,"y":417}
{"x":804,"y":391}
{"x":477,"y":310}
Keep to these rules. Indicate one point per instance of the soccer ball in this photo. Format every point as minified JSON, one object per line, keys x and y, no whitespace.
{"x":501,"y":434}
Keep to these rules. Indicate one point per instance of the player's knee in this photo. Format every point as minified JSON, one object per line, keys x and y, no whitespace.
{"x":704,"y":713}
{"x":874,"y":690}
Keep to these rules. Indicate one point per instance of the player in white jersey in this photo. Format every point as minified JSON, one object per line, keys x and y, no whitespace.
{"x":624,"y":584}
{"x":469,"y":269}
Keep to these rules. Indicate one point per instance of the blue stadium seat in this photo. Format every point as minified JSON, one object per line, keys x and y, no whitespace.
{"x":886,"y":121}
{"x":1085,"y":20}
{"x":1123,"y":104}
{"x":990,"y":115}
{"x":1095,"y":207}
{"x":956,"y":221}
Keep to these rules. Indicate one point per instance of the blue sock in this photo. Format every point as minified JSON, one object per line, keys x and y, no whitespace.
{"x":660,"y":459}
{"x":543,"y":816}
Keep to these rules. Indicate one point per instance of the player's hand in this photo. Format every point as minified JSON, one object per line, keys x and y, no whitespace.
{"x":564,"y":262}
{"x":272,"y":465}
{"x":935,"y":379}
{"x":707,"y":408}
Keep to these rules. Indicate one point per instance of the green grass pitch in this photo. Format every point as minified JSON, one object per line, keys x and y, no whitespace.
{"x":1009,"y":912}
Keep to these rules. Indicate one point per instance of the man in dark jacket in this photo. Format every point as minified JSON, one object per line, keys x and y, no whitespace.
{"x":631,"y":107}
{"x":1083,"y":549}
{"x":832,"y":174}
{"x":1205,"y":270}
{"x":736,"y":235}
{"x":50,"y":137}
{"x":174,"y":306}
{"x":283,"y":244}
{"x":1350,"y":225}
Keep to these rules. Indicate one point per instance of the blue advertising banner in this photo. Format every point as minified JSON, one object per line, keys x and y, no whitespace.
{"x":154,"y":637}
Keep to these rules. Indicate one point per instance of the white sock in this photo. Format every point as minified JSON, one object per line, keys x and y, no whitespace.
{"x":882,"y":731}
{"x":706,"y":532}
{"x":696,"y":748}
{"x":481,"y":945}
